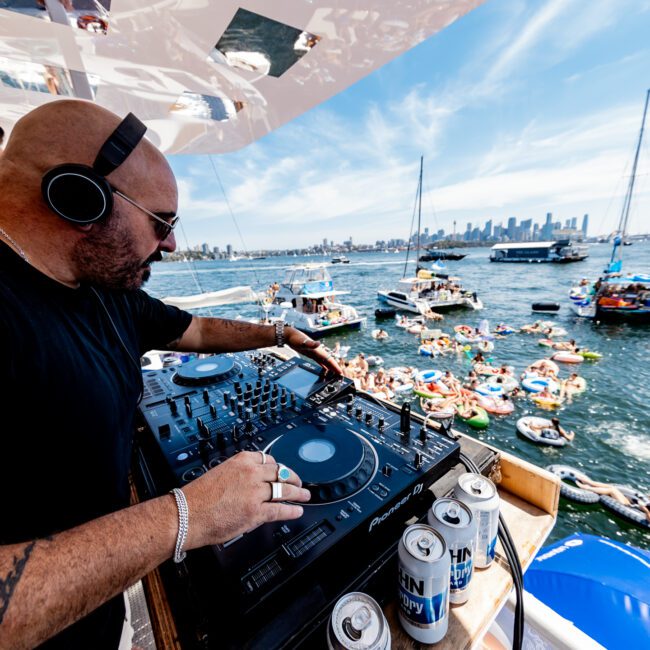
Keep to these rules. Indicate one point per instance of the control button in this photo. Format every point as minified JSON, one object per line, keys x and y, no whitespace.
{"x":164,"y":431}
{"x":226,"y":397}
{"x":339,"y":517}
{"x":188,"y":405}
{"x":423,"y":434}
{"x":206,"y":395}
{"x":182,"y":457}
{"x":375,"y":488}
{"x":358,"y":412}
{"x":172,"y":406}
{"x":381,"y":423}
{"x":351,"y":508}
{"x":419,"y":459}
{"x":213,"y":410}
{"x":387,"y":470}
{"x":369,"y":419}
{"x":383,"y":493}
{"x":330,"y":388}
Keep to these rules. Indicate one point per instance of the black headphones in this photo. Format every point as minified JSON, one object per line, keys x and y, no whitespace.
{"x":81,"y":194}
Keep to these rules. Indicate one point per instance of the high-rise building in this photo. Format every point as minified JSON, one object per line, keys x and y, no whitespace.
{"x":585,"y":225}
{"x":512,"y":228}
{"x":547,"y":228}
{"x":525,"y":230}
{"x":574,"y":223}
{"x":229,"y":250}
{"x":205,"y":249}
{"x":487,"y":230}
{"x":536,"y":232}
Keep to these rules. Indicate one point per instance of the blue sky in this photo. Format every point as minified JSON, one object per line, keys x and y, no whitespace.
{"x":521,"y":107}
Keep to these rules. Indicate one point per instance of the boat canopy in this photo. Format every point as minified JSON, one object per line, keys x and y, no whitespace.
{"x":532,"y":244}
{"x":205,"y":77}
{"x":628,"y":279}
{"x":322,"y":294}
{"x":231,"y":296}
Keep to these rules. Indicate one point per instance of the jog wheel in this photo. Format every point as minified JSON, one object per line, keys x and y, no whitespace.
{"x":333,"y":462}
{"x":209,"y":370}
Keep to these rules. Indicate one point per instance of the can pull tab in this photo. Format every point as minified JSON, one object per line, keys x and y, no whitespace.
{"x":355,"y":625}
{"x":451,"y":515}
{"x":424,"y":545}
{"x":477,"y":486}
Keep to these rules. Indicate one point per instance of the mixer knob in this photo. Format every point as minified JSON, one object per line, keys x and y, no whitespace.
{"x":249,"y":387}
{"x":381,"y":423}
{"x":258,"y":384}
{"x":233,"y":403}
{"x":240,"y":408}
{"x":419,"y":459}
{"x":423,"y":434}
{"x":293,"y":400}
{"x":369,"y":419}
{"x":283,"y":401}
{"x":235,"y":433}
{"x":206,"y":395}
{"x":358,"y":412}
{"x":257,"y":391}
{"x":387,"y":470}
{"x":274,"y":390}
{"x":238,"y":388}
{"x":263,"y":410}
{"x":188,"y":405}
{"x":199,"y":423}
{"x":213,"y":410}
{"x":226,"y":397}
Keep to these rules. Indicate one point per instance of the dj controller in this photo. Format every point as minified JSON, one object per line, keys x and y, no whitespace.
{"x":367,"y":466}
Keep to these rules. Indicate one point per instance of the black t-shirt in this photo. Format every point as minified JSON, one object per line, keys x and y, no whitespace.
{"x":68,"y":399}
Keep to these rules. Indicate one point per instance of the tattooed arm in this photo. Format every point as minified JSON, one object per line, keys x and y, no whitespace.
{"x":48,"y":584}
{"x":223,"y":335}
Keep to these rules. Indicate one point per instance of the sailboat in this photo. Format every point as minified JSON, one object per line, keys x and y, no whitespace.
{"x":427,"y":290}
{"x":617,"y":295}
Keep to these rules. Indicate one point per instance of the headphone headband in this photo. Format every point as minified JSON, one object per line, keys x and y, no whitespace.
{"x":119,"y":145}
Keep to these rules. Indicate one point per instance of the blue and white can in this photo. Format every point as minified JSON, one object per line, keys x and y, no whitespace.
{"x":481,"y":496}
{"x":424,"y":565}
{"x":455,"y":522}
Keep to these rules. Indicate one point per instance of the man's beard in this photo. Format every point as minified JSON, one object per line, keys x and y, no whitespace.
{"x":107,"y":257}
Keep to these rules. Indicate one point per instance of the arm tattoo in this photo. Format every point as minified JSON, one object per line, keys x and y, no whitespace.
{"x":8,"y":583}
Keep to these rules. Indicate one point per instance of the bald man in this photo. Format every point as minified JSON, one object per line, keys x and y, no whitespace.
{"x":74,"y":322}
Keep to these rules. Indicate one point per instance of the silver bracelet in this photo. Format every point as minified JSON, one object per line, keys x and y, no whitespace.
{"x":279,"y":333}
{"x":183,"y":524}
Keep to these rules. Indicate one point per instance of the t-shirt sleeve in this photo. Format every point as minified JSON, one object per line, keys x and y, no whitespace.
{"x":158,"y":324}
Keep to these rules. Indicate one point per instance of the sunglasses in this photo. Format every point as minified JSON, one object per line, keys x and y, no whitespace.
{"x":161,"y":227}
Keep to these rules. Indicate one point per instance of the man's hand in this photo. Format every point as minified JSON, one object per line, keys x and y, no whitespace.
{"x":235,"y":497}
{"x":313,"y":349}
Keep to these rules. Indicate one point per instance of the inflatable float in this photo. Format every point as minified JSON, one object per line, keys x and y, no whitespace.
{"x":580,"y":386}
{"x":429,"y":375}
{"x":485,"y":346}
{"x":588,"y":355}
{"x":536,"y":384}
{"x":547,"y":436}
{"x":480,"y":421}
{"x":573,"y":492}
{"x":496,"y":405}
{"x":490,"y":389}
{"x":507,"y":382}
{"x":375,"y":360}
{"x":379,"y":334}
{"x":552,"y":402}
{"x":631,"y":512}
{"x":567,"y":357}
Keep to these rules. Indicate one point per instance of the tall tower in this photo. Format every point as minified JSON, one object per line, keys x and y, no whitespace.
{"x":585,"y":225}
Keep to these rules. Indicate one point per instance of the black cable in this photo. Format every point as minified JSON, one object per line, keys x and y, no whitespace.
{"x":514,"y":563}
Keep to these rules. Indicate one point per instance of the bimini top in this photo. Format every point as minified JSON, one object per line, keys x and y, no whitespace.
{"x":629,"y":279}
{"x":205,"y":77}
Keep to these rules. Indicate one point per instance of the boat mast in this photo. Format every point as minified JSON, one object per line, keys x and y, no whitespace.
{"x":627,"y":202}
{"x":418,"y":198}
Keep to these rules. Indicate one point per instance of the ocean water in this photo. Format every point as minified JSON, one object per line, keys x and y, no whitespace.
{"x":611,"y":419}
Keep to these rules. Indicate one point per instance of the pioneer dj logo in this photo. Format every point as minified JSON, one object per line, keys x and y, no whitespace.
{"x":393,"y":509}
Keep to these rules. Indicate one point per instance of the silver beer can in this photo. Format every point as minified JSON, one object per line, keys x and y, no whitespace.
{"x":480,"y":494}
{"x":423,"y":583}
{"x":357,"y":623}
{"x":455,"y":522}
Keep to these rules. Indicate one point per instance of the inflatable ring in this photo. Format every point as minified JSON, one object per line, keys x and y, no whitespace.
{"x":429,"y":375}
{"x":573,"y":493}
{"x":403,"y":388}
{"x":490,"y":389}
{"x":485,"y":346}
{"x":547,"y":402}
{"x":546,"y":343}
{"x":427,"y":351}
{"x":375,"y":360}
{"x":506,"y":382}
{"x":589,"y":355}
{"x":535,"y":384}
{"x":628,"y":512}
{"x":547,"y":436}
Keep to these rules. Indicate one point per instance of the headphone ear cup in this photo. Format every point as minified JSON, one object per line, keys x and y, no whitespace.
{"x":77,"y":193}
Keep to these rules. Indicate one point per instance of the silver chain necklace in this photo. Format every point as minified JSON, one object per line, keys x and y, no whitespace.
{"x":10,"y":240}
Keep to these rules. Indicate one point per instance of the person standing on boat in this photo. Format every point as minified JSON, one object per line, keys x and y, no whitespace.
{"x":75,"y":323}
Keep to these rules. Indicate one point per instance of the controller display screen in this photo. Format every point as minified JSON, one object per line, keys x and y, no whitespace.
{"x":299,"y":381}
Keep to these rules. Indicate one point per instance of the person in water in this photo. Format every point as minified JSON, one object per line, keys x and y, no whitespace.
{"x":555,"y":426}
{"x":607,"y":489}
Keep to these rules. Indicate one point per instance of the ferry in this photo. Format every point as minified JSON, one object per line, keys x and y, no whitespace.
{"x":308,"y":301}
{"x":555,"y":252}
{"x":342,"y":259}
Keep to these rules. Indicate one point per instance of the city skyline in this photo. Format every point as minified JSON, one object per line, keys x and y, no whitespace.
{"x":515,"y":113}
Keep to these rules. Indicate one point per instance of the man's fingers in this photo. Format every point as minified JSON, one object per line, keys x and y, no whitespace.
{"x":270,"y":474}
{"x":282,"y":511}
